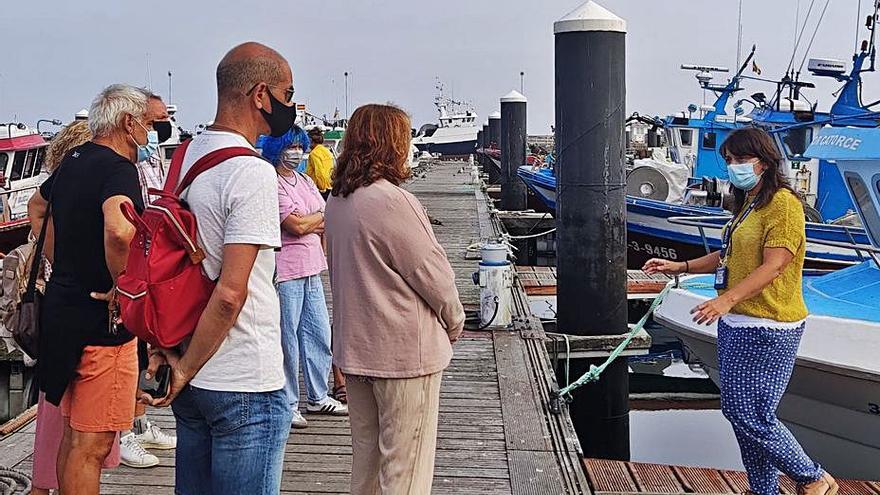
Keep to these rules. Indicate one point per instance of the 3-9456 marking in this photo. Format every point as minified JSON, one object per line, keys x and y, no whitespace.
{"x":661,"y":252}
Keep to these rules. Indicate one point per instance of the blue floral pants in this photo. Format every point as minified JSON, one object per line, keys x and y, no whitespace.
{"x":755,"y":366}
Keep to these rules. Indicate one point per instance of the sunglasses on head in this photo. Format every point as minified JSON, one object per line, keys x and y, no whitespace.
{"x":288,"y":92}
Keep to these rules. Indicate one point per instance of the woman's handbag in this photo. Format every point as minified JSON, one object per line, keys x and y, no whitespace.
{"x":26,"y":331}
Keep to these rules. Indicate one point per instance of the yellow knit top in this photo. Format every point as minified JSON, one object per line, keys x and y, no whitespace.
{"x":320,"y":167}
{"x":780,"y":224}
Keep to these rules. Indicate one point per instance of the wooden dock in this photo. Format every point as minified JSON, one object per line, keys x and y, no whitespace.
{"x":541,"y":281}
{"x":632,"y":478}
{"x":496,"y":435}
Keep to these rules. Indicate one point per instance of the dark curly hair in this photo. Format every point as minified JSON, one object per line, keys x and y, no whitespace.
{"x":749,"y":143}
{"x":375,"y":146}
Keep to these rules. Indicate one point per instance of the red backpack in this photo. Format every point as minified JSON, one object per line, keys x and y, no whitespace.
{"x":163,"y":289}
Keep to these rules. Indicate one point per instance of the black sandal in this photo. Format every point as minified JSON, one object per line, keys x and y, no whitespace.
{"x":340,"y":394}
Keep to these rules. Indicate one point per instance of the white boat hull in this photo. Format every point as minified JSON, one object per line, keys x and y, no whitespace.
{"x":832,"y":404}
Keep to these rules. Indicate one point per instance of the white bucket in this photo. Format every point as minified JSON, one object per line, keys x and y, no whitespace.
{"x":493,"y":254}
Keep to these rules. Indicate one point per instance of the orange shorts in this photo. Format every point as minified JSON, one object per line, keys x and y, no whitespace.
{"x":101,"y":397}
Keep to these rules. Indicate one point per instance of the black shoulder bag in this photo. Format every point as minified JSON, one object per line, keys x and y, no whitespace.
{"x":27,"y":329}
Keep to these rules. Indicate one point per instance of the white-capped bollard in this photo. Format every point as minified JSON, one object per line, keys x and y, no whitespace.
{"x":495,"y":280}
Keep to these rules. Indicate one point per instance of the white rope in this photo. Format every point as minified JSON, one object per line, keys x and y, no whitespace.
{"x":532,"y":236}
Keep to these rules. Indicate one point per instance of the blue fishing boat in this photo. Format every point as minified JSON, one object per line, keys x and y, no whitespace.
{"x":655,"y":194}
{"x":661,"y":229}
{"x":833,"y":402}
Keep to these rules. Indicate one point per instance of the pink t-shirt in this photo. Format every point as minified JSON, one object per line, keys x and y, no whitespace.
{"x":300,"y":256}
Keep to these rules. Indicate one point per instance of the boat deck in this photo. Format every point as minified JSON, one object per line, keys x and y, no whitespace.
{"x":496,"y":435}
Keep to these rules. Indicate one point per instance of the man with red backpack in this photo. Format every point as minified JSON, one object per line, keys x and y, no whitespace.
{"x":232,"y":415}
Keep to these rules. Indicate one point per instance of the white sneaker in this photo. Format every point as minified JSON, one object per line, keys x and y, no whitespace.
{"x":329,"y":406}
{"x":155,"y":438}
{"x":133,"y":455}
{"x":299,"y":422}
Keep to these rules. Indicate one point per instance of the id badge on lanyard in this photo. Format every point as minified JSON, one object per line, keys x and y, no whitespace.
{"x":721,"y":277}
{"x":721,"y":273}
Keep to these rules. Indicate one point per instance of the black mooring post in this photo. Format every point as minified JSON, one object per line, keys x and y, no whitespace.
{"x":513,"y":152}
{"x":494,"y":130}
{"x":591,"y":213}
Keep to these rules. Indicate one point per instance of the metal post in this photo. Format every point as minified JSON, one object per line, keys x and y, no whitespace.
{"x":591,"y":212}
{"x":346,"y":97}
{"x":488,"y":168}
{"x":513,"y":151}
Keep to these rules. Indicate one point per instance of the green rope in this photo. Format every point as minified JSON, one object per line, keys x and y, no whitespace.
{"x":596,"y":371}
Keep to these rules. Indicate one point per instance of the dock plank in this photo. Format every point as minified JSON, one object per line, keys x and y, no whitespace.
{"x":523,"y":421}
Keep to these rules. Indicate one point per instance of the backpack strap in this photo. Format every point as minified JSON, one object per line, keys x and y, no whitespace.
{"x":176,"y":164}
{"x":211,"y":160}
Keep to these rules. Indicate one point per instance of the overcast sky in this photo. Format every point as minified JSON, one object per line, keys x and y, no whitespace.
{"x":57,"y":54}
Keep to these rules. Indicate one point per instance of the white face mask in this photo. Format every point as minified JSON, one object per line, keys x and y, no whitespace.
{"x":291,"y":158}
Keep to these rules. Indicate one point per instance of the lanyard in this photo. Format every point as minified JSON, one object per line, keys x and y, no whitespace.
{"x":727,"y":235}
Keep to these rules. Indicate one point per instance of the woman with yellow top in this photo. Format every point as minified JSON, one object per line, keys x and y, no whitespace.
{"x":760,"y":312}
{"x":320,"y":166}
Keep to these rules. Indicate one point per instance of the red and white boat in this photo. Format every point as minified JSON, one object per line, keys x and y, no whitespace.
{"x":22,"y":150}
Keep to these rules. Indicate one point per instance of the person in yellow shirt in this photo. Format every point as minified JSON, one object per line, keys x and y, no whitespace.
{"x":760,"y":311}
{"x":320,"y":166}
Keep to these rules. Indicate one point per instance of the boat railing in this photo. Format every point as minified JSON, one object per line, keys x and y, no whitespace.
{"x":717,"y":222}
{"x":13,"y":203}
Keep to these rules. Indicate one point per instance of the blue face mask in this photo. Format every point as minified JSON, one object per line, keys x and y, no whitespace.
{"x":145,"y":151}
{"x":742,"y":175}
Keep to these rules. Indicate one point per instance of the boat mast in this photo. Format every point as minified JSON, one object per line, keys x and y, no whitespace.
{"x":739,"y":34}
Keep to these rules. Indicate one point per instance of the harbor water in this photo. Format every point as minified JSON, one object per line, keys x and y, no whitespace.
{"x":687,"y":437}
{"x":675,"y":416}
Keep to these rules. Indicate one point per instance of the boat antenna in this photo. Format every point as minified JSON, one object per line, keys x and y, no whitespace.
{"x":797,"y":41}
{"x":813,"y":37}
{"x":797,"y":22}
{"x":858,"y":21}
{"x":170,"y":100}
{"x":739,"y":34}
{"x":149,"y":75}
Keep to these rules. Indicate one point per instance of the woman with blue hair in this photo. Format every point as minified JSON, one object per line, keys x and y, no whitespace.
{"x":305,"y":322}
{"x":293,"y":142}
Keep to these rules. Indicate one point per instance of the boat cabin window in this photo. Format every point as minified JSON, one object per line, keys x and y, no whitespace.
{"x":27,"y":163}
{"x":17,"y":165}
{"x":4,"y":159}
{"x":33,"y":163}
{"x":686,"y":136}
{"x":797,"y":140}
{"x":709,"y":140}
{"x":169,"y":152}
{"x":862,"y":195}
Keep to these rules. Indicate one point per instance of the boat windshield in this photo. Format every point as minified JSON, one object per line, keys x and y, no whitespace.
{"x":27,"y":163}
{"x":687,"y":137}
{"x":796,"y":141}
{"x":4,"y":159}
{"x":862,"y":194}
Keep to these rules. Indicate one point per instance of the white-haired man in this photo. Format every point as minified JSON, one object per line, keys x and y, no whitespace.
{"x":88,"y":365}
{"x":144,"y":434}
